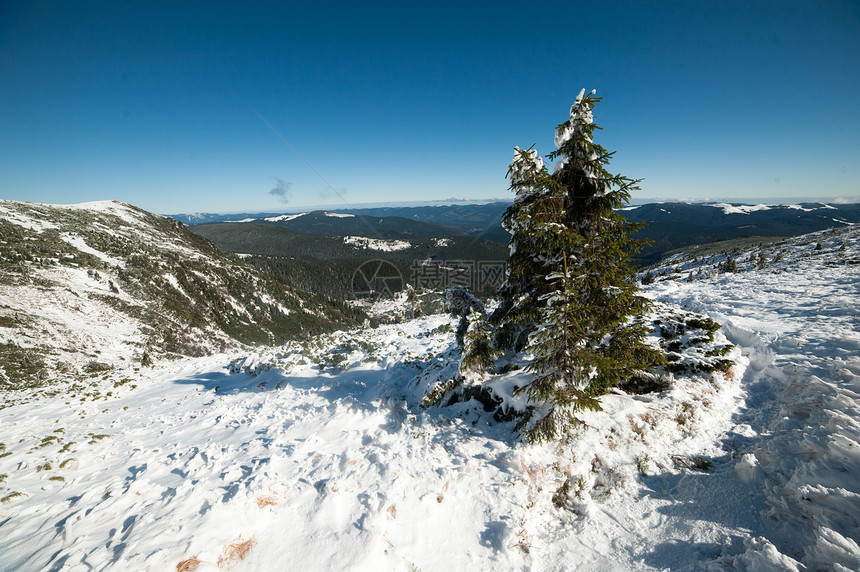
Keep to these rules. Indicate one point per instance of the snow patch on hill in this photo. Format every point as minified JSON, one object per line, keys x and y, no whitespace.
{"x":282,"y":218}
{"x":741,"y":209}
{"x":386,"y":245}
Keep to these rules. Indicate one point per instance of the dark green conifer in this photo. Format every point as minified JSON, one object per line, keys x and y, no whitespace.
{"x":570,"y":295}
{"x":479,"y":350}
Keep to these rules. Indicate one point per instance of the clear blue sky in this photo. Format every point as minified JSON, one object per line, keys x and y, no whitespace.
{"x":167,"y":105}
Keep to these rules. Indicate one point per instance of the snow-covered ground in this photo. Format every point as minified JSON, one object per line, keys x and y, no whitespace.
{"x":321,"y":456}
{"x":798,"y":320}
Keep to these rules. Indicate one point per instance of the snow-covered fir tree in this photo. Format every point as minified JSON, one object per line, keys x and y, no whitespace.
{"x":570,"y":297}
{"x":563,"y":367}
{"x":479,"y":350}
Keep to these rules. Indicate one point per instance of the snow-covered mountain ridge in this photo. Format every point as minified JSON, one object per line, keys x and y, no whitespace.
{"x":92,"y":286}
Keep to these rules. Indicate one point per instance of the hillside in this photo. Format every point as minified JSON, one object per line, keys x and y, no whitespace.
{"x":339,"y":451}
{"x":92,"y":286}
{"x":326,"y":264}
{"x":673,"y":226}
{"x":263,"y":239}
{"x":792,"y":458}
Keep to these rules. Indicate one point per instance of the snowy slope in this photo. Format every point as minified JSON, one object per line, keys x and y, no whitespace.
{"x":99,"y":284}
{"x":321,"y":456}
{"x":798,"y":316}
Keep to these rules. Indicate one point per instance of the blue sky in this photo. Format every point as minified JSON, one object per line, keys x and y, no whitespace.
{"x":203,"y":106}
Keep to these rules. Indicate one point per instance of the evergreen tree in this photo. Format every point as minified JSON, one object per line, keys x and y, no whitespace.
{"x":479,"y":351}
{"x":569,"y":271}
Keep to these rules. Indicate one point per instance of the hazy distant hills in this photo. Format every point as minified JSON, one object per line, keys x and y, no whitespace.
{"x":469,"y":219}
{"x":669,"y":226}
{"x":348,"y":224}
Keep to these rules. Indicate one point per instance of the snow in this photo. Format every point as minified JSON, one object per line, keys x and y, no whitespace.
{"x":16,"y":217}
{"x":804,"y":209}
{"x":115,"y":208}
{"x":79,"y":243}
{"x":285,"y":217}
{"x":73,"y":314}
{"x":171,"y":279}
{"x":798,"y":324}
{"x":523,"y":170}
{"x":386,"y":245}
{"x":741,"y":209}
{"x":578,"y":115}
{"x":339,"y":215}
{"x":320,"y":456}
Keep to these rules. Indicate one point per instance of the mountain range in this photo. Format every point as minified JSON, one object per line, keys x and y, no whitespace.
{"x":319,"y":234}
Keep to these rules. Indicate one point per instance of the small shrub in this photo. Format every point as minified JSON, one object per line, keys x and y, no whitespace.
{"x":233,"y":553}
{"x":701,"y":464}
{"x":685,"y":415}
{"x":11,"y":496}
{"x":435,"y":395}
{"x":444,"y":329}
{"x":697,"y":463}
{"x":188,"y":565}
{"x":579,"y":487}
{"x":729,"y":265}
{"x":562,"y":495}
{"x":706,"y":324}
{"x":266,"y":501}
{"x":643,"y":463}
{"x":94,"y":366}
{"x":70,"y":463}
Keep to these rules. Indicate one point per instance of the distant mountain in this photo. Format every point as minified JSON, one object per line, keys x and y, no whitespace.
{"x":270,"y":239}
{"x":672,"y":226}
{"x":463,"y":214}
{"x":204,"y":218}
{"x":383,"y":222}
{"x":101,"y":284}
{"x":349,"y":224}
{"x":468,"y":219}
